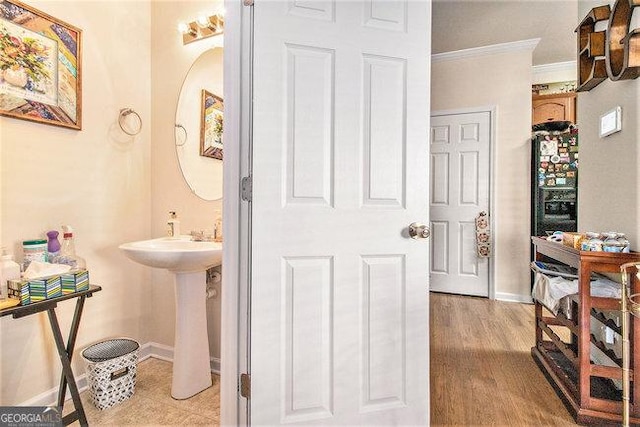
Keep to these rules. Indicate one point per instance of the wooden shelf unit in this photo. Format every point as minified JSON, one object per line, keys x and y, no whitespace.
{"x":567,"y":365}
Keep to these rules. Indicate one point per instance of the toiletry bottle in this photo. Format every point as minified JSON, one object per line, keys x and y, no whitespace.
{"x":173,"y":224}
{"x":217,"y":230}
{"x":9,"y":270}
{"x":68,"y":250}
{"x":53,"y":246}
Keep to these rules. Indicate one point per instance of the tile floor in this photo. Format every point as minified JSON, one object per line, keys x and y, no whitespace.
{"x":152,"y":404}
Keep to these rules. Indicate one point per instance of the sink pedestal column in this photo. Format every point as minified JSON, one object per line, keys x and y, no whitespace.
{"x":191,"y":369}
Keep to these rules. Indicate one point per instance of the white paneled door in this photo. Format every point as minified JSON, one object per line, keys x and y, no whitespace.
{"x":460,"y":163}
{"x":339,"y":293}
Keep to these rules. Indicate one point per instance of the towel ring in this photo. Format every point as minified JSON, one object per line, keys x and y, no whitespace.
{"x":123,"y":114}
{"x":179,"y":126}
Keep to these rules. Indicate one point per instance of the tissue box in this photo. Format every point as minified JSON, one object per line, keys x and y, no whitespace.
{"x":19,"y":289}
{"x":75,"y":281}
{"x":45,"y":288}
{"x":34,"y":290}
{"x":42,"y":288}
{"x":572,"y":240}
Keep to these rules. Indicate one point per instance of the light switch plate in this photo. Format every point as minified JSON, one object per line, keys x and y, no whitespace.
{"x":611,"y":122}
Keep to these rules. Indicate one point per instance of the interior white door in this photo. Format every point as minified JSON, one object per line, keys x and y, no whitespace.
{"x":460,"y":181}
{"x":339,"y":293}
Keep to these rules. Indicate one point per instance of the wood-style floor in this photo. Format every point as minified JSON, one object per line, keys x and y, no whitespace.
{"x":482,"y":372}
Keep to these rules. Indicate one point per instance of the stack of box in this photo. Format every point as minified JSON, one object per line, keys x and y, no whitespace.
{"x":40,"y":289}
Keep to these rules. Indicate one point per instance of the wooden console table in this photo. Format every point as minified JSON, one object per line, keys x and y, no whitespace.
{"x":567,"y":365}
{"x":65,"y":352}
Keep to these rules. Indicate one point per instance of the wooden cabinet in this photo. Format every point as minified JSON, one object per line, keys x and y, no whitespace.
{"x":551,"y":108}
{"x":584,"y":385}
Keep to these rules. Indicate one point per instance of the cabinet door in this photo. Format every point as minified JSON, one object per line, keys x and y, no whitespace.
{"x":550,"y":109}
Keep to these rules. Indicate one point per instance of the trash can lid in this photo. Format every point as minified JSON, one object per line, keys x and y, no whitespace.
{"x":110,"y":349}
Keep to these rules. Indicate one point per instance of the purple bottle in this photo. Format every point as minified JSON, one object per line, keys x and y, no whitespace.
{"x":53,"y":246}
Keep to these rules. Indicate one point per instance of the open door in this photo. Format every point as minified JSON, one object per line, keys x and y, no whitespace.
{"x":339,"y":291}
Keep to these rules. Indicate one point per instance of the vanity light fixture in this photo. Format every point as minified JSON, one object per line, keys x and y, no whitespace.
{"x":184,"y":28}
{"x":203,"y":27}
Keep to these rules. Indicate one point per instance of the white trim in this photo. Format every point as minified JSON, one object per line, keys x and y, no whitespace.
{"x":493,"y":49}
{"x":557,"y":67}
{"x":233,"y":337}
{"x":508,"y":297}
{"x":147,"y":350}
{"x":493,"y":111}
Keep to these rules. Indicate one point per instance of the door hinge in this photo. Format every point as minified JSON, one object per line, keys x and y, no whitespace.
{"x":248,"y":2}
{"x":246,"y":188}
{"x":245,"y":386}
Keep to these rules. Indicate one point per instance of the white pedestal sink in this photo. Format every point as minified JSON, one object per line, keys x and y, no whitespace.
{"x":188,"y":260}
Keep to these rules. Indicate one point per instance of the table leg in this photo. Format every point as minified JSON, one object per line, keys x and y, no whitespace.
{"x":78,"y":414}
{"x":71,"y":343}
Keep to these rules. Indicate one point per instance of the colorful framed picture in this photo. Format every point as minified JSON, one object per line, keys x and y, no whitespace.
{"x":211,"y":125}
{"x":40,"y":67}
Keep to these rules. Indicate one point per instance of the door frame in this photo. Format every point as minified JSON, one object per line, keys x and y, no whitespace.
{"x":492,"y":110}
{"x":235,"y":298}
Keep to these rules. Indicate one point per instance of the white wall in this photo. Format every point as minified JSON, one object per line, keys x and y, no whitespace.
{"x":98,"y":180}
{"x":502,"y":80}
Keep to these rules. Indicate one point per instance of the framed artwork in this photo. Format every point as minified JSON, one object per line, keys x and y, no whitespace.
{"x":40,"y":67}
{"x":211,"y":125}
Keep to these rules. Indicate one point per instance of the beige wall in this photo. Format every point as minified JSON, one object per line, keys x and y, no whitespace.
{"x":97,"y":180}
{"x":170,"y":62}
{"x":504,"y":81}
{"x":110,"y":187}
{"x":608,"y":197}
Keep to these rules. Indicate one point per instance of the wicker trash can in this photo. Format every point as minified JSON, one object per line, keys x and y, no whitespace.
{"x":111,"y":371}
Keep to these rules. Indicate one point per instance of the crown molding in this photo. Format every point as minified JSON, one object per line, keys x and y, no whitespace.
{"x":493,"y":49}
{"x":557,"y":67}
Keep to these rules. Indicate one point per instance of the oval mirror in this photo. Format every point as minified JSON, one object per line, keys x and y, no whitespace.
{"x":198,"y":127}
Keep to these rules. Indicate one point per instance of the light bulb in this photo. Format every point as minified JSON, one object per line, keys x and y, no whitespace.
{"x":183,"y":28}
{"x":203,"y":21}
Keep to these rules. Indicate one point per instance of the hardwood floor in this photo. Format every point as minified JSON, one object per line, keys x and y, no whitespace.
{"x":482,"y":372}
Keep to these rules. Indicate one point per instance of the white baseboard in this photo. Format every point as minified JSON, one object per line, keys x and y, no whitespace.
{"x":504,"y":296}
{"x":147,"y":350}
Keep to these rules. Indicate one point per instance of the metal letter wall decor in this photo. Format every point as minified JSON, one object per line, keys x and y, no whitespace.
{"x":613,"y":53}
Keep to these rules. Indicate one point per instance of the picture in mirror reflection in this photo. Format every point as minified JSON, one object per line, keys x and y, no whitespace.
{"x":211,"y":125}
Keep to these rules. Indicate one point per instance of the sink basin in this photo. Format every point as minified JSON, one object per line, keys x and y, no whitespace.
{"x":187,"y":260}
{"x":175,"y":254}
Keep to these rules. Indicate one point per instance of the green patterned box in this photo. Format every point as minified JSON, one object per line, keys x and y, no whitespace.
{"x":75,"y":281}
{"x":45,"y":288}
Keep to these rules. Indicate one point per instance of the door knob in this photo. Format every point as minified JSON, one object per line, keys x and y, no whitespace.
{"x":418,"y":231}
